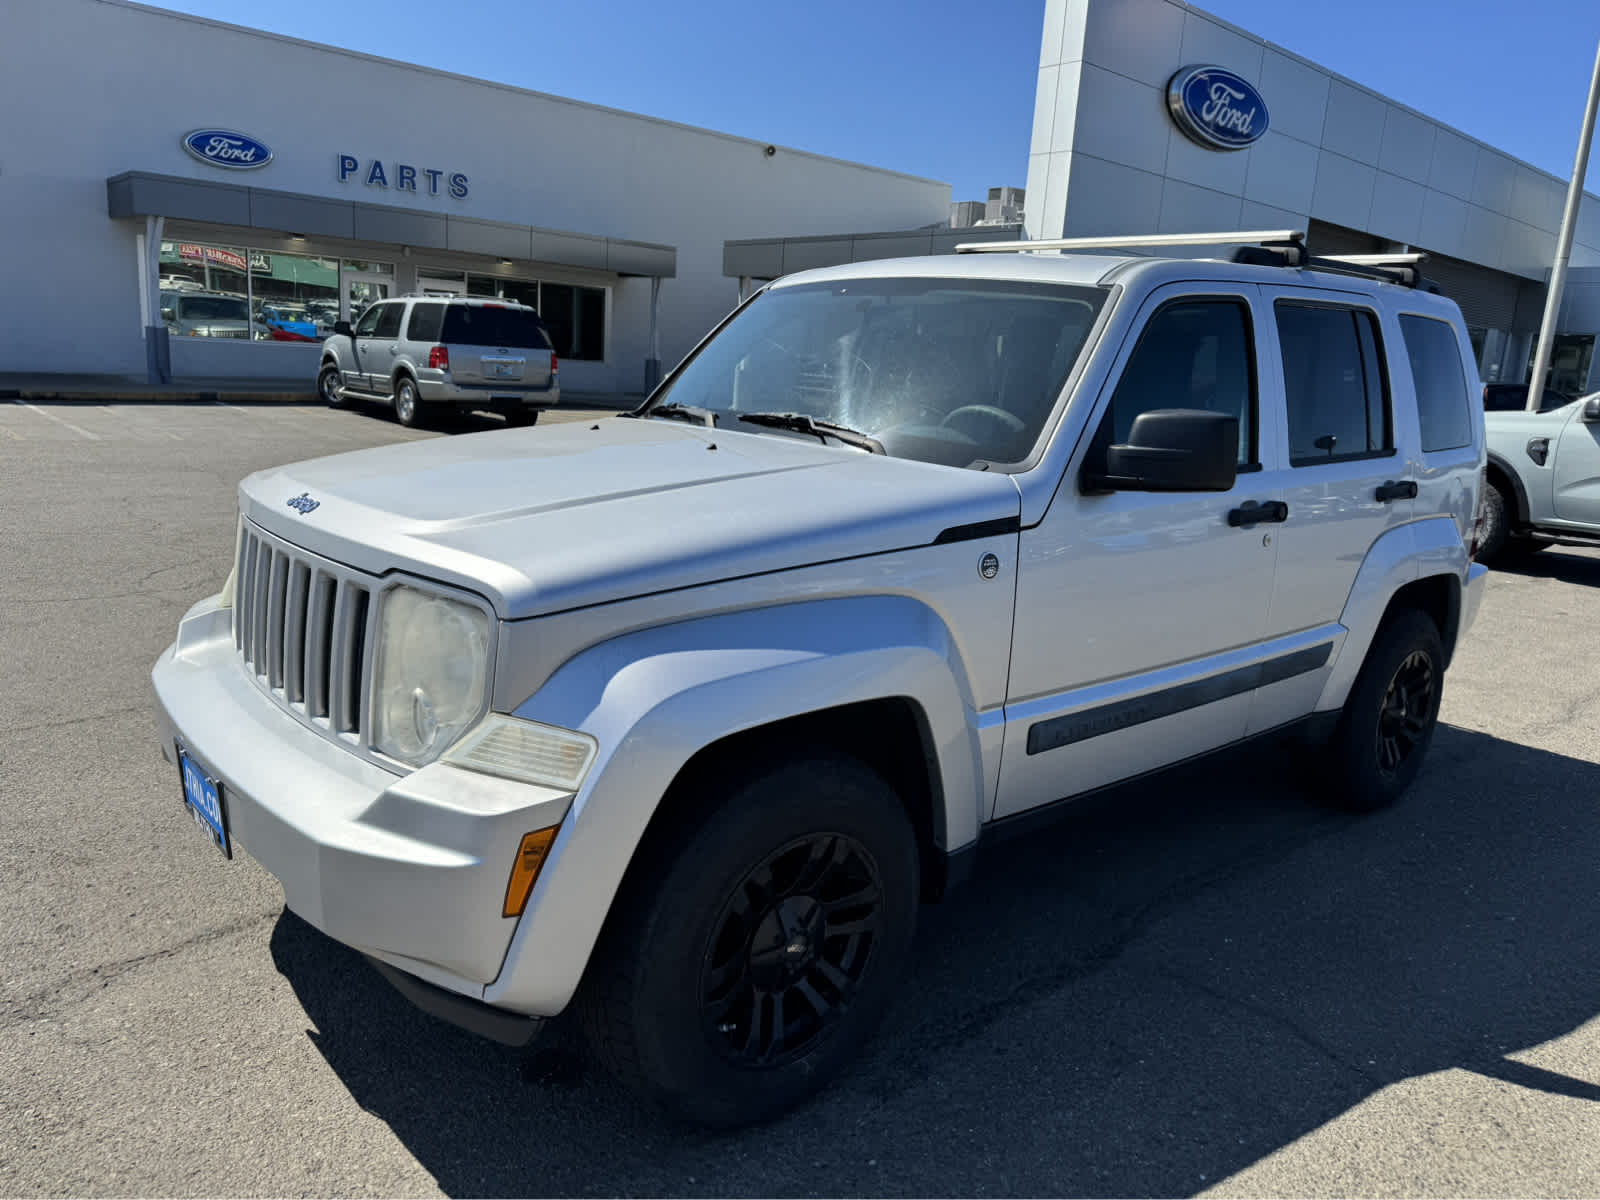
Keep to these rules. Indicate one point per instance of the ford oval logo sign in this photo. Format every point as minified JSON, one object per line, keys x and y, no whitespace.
{"x":1217,"y":108}
{"x":224,"y":148}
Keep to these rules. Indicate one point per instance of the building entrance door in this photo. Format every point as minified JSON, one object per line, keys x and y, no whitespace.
{"x":360,"y":290}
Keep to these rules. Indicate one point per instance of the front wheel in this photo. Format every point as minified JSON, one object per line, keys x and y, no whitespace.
{"x":1389,"y":717}
{"x":1497,"y":511}
{"x":330,"y":386}
{"x":747,"y":962}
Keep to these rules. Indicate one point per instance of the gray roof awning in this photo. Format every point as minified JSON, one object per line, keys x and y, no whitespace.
{"x":142,"y":194}
{"x":769,"y":258}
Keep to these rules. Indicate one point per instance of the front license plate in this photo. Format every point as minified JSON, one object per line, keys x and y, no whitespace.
{"x":203,"y":797}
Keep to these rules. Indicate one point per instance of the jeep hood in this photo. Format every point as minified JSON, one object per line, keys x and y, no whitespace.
{"x":546,"y":519}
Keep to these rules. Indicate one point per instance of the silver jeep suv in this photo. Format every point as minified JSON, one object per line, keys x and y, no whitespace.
{"x":417,"y":351}
{"x":677,"y":717}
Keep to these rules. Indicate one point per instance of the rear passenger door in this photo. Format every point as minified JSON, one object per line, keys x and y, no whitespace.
{"x":1337,"y":466}
{"x":1449,"y":440}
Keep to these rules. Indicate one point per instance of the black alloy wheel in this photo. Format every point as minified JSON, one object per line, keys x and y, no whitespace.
{"x":789,"y":950}
{"x":1388,"y":720}
{"x":1408,"y":705}
{"x":760,"y":935}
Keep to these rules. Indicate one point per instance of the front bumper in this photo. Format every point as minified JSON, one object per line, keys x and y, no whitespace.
{"x":409,"y":869}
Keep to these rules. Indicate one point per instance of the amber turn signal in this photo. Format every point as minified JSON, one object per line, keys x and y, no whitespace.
{"x":531,"y":854}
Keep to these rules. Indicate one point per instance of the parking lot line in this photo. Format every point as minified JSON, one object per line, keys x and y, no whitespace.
{"x":77,"y":429}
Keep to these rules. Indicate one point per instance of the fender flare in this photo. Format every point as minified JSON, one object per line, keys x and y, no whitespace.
{"x":1423,"y":549}
{"x":1519,"y":489}
{"x":654,"y":698}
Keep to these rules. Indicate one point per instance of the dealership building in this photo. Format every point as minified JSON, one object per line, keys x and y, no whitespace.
{"x":319,"y":179}
{"x":190,"y":200}
{"x":1115,"y":152}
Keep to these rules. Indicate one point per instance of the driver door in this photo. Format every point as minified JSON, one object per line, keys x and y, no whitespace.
{"x":362,"y":336}
{"x":1577,"y":471}
{"x":1141,"y":616}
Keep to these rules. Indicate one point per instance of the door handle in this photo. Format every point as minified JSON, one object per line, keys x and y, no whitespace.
{"x":1405,"y":489}
{"x":1250,"y":513}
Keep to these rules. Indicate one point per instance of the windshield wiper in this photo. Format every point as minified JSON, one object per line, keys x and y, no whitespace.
{"x":802,"y":423}
{"x":683,"y":412}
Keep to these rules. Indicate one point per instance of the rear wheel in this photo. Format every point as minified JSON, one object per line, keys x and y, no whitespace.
{"x":407,"y":407}
{"x":1389,"y":718}
{"x":519,"y":417}
{"x":747,"y":962}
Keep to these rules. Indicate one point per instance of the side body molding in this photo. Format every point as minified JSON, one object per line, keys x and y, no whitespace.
{"x":653,"y":698}
{"x":1402,"y":555}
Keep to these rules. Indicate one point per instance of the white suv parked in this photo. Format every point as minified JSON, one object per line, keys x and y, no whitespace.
{"x":678,"y":716}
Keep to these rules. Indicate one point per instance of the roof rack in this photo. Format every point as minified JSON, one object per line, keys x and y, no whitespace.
{"x":1256,"y":247}
{"x":1254,"y":237}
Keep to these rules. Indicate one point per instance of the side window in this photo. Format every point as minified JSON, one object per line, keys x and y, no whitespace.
{"x":369,"y":321}
{"x":1333,"y":384}
{"x":426,"y":320}
{"x":1195,"y":353}
{"x":389,"y":321}
{"x":1441,"y":384}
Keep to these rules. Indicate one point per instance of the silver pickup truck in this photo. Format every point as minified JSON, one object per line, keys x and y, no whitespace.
{"x":678,"y":716}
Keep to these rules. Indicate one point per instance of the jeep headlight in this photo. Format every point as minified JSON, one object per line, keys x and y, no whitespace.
{"x":430,"y":675}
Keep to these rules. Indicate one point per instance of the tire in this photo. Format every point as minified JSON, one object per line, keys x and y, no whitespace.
{"x":1389,"y":718}
{"x":407,"y":404}
{"x":519,"y":418}
{"x":1497,"y":515}
{"x":329,"y":384}
{"x":724,"y":989}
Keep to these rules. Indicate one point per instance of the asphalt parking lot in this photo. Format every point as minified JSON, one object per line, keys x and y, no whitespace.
{"x":1200,"y":983}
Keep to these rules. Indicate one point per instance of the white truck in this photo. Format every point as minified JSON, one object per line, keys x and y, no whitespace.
{"x":678,"y":716}
{"x":1543,"y":484}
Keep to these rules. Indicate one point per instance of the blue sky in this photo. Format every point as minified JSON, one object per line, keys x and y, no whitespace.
{"x":945,"y":89}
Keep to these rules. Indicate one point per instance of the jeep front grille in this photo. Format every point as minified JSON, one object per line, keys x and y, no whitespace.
{"x":301,"y":626}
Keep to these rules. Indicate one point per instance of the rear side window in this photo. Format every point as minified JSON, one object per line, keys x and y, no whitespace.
{"x":1192,"y":354}
{"x":1443,"y":404}
{"x":425,"y":322}
{"x":1333,"y":384}
{"x":483,"y":325}
{"x":389,"y":321}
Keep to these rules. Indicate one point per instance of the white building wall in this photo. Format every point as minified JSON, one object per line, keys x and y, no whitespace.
{"x":97,"y":87}
{"x":1106,"y":159}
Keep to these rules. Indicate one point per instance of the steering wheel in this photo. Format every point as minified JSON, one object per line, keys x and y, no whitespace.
{"x":1012,"y":422}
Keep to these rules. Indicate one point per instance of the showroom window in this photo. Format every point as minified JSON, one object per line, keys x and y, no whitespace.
{"x":296,"y":296}
{"x":207,"y":291}
{"x":432,"y":281}
{"x":574,"y":316}
{"x":576,"y":319}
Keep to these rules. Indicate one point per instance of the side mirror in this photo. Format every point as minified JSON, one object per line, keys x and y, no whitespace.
{"x":344,"y":328}
{"x":169,"y":314}
{"x":1590,"y":415}
{"x":1174,"y":450}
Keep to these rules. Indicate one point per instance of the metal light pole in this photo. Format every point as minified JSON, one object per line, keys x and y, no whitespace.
{"x":1569,"y":224}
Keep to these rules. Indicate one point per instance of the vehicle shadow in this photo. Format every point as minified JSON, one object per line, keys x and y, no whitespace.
{"x":1566,"y":564}
{"x":1177,"y":980}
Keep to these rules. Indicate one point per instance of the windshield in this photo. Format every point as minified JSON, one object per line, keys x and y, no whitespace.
{"x":952,"y":371}
{"x":210,"y":308}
